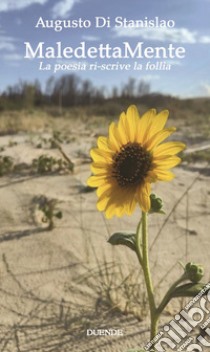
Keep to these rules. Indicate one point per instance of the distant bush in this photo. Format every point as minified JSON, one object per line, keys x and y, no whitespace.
{"x":47,"y":164}
{"x":6,"y":165}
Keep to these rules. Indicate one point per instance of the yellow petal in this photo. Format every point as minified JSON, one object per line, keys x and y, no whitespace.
{"x":122,"y":129}
{"x":151,"y":176}
{"x":102,"y":202}
{"x":144,"y":125}
{"x":167,"y":163}
{"x":159,"y":137}
{"x":100,"y":168}
{"x":169,"y":148}
{"x":114,"y":140}
{"x":158,"y":123}
{"x":164,"y":175}
{"x":103,"y":144}
{"x":96,"y":181}
{"x":144,"y":196}
{"x":120,"y":211}
{"x":122,"y":201}
{"x":110,"y":211}
{"x":131,"y":205}
{"x":107,"y":187}
{"x":132,"y":120}
{"x":101,"y":156}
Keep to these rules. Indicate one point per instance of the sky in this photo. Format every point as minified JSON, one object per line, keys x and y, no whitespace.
{"x":188,"y":77}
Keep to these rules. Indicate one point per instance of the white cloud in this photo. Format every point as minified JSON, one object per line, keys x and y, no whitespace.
{"x":173,"y":35}
{"x":205,"y":89}
{"x":6,"y":42}
{"x":8,"y":49}
{"x":10,"y":5}
{"x":205,"y":39}
{"x":90,"y":38}
{"x":174,"y":62}
{"x":4,"y":45}
{"x":62,"y":8}
{"x":150,"y":77}
{"x":12,"y":57}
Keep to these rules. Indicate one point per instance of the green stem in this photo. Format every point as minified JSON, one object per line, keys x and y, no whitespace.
{"x":147,"y":275}
{"x":143,"y":256}
{"x":167,"y":296}
{"x":139,"y":244}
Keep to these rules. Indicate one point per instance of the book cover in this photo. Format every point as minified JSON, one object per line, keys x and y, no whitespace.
{"x":104,"y":248}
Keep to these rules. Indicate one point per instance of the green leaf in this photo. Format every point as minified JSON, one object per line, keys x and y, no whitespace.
{"x":59,"y":215}
{"x":126,"y":239}
{"x":188,"y":290}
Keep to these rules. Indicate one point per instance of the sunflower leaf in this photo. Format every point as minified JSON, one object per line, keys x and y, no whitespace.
{"x":126,"y":239}
{"x":188,"y":290}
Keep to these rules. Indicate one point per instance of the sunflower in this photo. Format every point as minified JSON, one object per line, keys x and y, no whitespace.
{"x":130,"y":159}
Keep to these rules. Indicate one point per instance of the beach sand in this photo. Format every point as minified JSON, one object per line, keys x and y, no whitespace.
{"x":56,"y":284}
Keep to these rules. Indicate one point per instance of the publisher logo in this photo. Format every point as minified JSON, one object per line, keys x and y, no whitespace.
{"x":105,"y":332}
{"x":176,"y":334}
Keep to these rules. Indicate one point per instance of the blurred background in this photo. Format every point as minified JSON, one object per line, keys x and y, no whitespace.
{"x":188,"y":77}
{"x":184,"y":88}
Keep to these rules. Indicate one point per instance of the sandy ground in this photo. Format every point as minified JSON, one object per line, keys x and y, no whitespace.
{"x":54,"y":285}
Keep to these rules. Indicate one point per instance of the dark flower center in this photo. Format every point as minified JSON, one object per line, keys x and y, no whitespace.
{"x":131,"y":164}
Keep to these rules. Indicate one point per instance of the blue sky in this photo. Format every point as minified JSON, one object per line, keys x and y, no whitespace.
{"x":188,"y":77}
